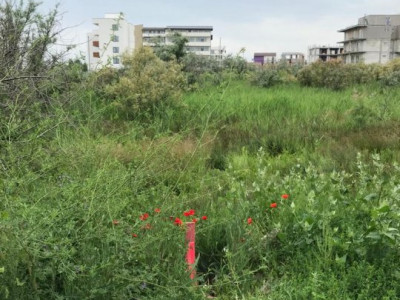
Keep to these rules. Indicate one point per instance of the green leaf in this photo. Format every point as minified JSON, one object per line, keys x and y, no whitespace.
{"x":384,"y":208}
{"x":341,"y":260}
{"x":2,"y":270}
{"x":374,"y":235}
{"x":19,"y":283}
{"x":281,"y":236}
{"x":371,"y":197}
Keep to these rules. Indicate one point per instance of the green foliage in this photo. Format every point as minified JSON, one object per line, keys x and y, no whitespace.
{"x":146,"y":85}
{"x":336,"y":75}
{"x":174,"y":51}
{"x":391,"y":78}
{"x":236,"y":64}
{"x":199,"y":69}
{"x":26,"y":37}
{"x":265,"y":77}
{"x":299,"y":185}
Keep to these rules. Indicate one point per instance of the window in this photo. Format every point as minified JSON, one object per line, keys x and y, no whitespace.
{"x":95,"y":43}
{"x":114,"y":27}
{"x":116,"y":60}
{"x":96,"y":54}
{"x":115,"y":38}
{"x":115,"y":49}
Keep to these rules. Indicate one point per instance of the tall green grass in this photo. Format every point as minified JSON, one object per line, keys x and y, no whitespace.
{"x":74,"y":188}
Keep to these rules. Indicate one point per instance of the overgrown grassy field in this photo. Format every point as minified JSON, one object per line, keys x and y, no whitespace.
{"x":295,"y":191}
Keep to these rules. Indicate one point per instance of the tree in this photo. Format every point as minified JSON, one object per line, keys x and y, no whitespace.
{"x":26,"y":37}
{"x":177,"y":50}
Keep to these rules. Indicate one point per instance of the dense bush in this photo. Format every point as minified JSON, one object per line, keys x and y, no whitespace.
{"x":265,"y":77}
{"x":146,"y":85}
{"x":199,"y":69}
{"x":237,"y":64}
{"x":390,"y":75}
{"x":337,"y":75}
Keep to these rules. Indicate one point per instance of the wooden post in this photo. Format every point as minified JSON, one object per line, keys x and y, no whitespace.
{"x":191,"y":250}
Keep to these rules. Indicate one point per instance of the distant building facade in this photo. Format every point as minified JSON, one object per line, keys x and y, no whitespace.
{"x":293,"y":58}
{"x":261,"y":58}
{"x":374,"y":39}
{"x":324,"y":53}
{"x":114,"y":35}
{"x":218,"y":53}
{"x":199,"y":37}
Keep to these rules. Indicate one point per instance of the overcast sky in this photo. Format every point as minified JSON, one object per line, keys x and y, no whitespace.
{"x":256,"y":25}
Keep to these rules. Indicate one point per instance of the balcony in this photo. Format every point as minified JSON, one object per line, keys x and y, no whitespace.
{"x":354,"y":39}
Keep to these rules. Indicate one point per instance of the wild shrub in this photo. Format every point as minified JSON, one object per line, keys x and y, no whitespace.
{"x":30,"y":72}
{"x":265,"y":77}
{"x":236,"y":64}
{"x":335,"y":75}
{"x":199,"y":68}
{"x":147,"y":85}
{"x":26,"y":37}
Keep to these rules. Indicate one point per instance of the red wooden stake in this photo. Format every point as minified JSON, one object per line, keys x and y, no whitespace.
{"x":191,"y":250}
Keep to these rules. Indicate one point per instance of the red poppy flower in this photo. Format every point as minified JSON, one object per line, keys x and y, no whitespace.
{"x":273,"y":205}
{"x":171,"y":218}
{"x":204,"y":218}
{"x":134,"y":235}
{"x":115,"y":222}
{"x":249,"y":221}
{"x":194,"y":220}
{"x":178,"y":222}
{"x":285,"y":196}
{"x":144,"y":217}
{"x":189,"y":213}
{"x":157,"y":210}
{"x":147,"y":226}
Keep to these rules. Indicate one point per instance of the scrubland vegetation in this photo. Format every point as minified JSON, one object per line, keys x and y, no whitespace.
{"x":291,"y":174}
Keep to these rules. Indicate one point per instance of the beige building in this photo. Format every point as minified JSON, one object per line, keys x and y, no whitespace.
{"x":293,"y":58}
{"x":324,"y":53}
{"x":374,"y":39}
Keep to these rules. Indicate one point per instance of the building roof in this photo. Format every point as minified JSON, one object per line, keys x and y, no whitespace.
{"x":265,"y":54}
{"x":191,"y":27}
{"x":324,"y":46}
{"x":153,"y":28}
{"x":352,"y":27}
{"x":288,"y":53}
{"x":180,"y":27}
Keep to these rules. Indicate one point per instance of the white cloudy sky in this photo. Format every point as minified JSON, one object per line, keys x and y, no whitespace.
{"x":256,"y":25}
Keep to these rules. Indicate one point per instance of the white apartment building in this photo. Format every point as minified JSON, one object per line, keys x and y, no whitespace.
{"x":199,"y":37}
{"x":112,"y":37}
{"x":374,"y":39}
{"x":218,"y":53}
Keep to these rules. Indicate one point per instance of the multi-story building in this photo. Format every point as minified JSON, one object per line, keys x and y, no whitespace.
{"x":262,"y":58}
{"x":199,"y":37}
{"x":324,"y":53}
{"x":375,"y":39}
{"x":293,"y":58}
{"x":218,"y":53}
{"x":112,"y":37}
